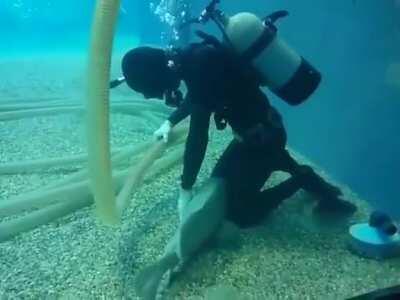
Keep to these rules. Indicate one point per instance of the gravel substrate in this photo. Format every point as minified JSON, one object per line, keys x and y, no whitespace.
{"x":289,"y":257}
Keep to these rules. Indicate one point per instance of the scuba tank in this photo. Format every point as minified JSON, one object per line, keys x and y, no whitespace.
{"x":281,"y":69}
{"x":256,"y":42}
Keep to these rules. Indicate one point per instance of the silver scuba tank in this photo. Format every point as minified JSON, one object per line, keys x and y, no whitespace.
{"x":281,"y":69}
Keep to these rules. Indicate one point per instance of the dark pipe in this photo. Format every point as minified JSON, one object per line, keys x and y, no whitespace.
{"x":117,"y":82}
{"x":275,"y":16}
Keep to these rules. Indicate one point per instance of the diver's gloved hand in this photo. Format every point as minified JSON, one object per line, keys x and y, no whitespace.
{"x":184,"y":197}
{"x":164,"y":131}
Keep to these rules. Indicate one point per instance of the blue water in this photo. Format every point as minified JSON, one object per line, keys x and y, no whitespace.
{"x":350,"y":127}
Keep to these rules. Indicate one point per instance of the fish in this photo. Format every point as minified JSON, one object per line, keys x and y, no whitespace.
{"x":202,"y":221}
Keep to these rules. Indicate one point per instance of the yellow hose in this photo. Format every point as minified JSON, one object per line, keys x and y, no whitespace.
{"x":105,"y":18}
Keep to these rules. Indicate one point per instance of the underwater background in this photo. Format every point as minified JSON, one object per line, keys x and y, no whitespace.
{"x":350,"y":126}
{"x":348,"y":130}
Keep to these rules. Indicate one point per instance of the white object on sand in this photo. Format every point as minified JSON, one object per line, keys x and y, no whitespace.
{"x":373,"y":243}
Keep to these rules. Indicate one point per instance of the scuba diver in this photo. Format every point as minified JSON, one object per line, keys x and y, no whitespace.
{"x":221,"y":83}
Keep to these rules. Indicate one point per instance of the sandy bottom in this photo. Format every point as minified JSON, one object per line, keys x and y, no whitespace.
{"x":290,"y":257}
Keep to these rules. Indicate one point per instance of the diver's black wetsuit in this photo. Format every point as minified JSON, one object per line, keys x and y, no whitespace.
{"x":215,"y":85}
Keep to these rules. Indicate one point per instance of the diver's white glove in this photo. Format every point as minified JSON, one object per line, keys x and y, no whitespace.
{"x":184,"y":197}
{"x":164,"y":131}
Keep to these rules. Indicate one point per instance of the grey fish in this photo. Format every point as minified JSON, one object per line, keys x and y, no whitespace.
{"x":203,"y":219}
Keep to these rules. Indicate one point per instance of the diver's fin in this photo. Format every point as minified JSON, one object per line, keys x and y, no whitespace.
{"x":148,"y":281}
{"x":335,"y":208}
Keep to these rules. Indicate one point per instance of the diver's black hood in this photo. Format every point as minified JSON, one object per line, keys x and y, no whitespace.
{"x":145,"y":70}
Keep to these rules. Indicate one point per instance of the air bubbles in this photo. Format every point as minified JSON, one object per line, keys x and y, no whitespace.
{"x":172,"y":13}
{"x":18,"y":4}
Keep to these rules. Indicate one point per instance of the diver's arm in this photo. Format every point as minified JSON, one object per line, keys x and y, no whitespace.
{"x":180,"y":113}
{"x":196,"y":145}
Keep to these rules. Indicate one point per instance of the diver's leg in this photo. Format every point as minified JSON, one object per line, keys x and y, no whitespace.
{"x":259,"y":205}
{"x":239,"y":166}
{"x":312,"y":182}
{"x":327,"y":193}
{"x":272,"y":197}
{"x":245,"y":172}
